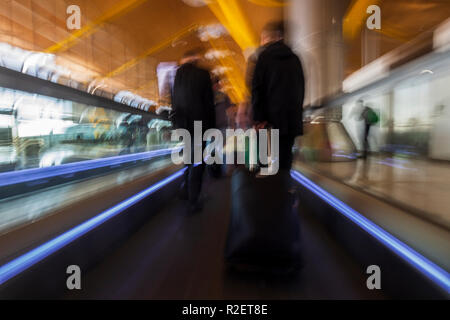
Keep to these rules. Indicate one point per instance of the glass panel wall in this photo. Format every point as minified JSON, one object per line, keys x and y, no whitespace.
{"x":40,"y":131}
{"x":411,"y":132}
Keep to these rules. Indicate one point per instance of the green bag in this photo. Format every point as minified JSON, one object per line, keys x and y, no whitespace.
{"x":371,"y":116}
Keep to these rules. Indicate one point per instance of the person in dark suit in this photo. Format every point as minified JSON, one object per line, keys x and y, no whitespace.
{"x":193,"y":100}
{"x":277,"y":88}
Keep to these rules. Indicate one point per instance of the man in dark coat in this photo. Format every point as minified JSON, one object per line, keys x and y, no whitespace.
{"x":193,"y":100}
{"x":278,"y":88}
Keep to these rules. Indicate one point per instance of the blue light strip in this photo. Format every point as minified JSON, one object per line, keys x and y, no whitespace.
{"x":18,"y":265}
{"x":425,"y":266}
{"x":27,"y":175}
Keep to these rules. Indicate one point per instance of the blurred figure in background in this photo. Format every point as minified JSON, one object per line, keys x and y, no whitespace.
{"x":277,"y":89}
{"x":222,"y":103}
{"x":231,"y":116}
{"x":193,"y":100}
{"x":166,"y":72}
{"x":370,"y":118}
{"x":244,"y":118}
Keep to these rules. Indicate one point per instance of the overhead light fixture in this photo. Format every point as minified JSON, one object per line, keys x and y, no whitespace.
{"x":217,"y":54}
{"x":195,"y":3}
{"x":179,"y":43}
{"x":426,"y":71}
{"x":211,"y":31}
{"x":220,"y":70}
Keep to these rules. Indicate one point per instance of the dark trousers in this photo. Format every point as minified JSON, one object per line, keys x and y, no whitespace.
{"x":366,"y":140}
{"x":286,"y":156}
{"x":193,"y":177}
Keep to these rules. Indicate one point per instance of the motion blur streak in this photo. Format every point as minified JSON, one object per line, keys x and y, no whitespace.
{"x":156,"y":48}
{"x":18,"y":265}
{"x":425,"y":266}
{"x":14,"y":177}
{"x":231,"y":15}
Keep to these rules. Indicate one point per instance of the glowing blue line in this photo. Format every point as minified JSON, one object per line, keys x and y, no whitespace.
{"x":14,"y":177}
{"x":18,"y":265}
{"x":425,"y":266}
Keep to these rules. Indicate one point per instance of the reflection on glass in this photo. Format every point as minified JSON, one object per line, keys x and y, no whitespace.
{"x":40,"y":131}
{"x":413,"y":130}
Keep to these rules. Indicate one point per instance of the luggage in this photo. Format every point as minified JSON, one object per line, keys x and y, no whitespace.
{"x":264,"y":230}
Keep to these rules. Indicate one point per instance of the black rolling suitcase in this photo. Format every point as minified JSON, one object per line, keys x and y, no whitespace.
{"x":264,"y":230}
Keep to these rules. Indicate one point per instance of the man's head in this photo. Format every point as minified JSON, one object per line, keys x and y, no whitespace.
{"x":272,"y":32}
{"x":192,"y":56}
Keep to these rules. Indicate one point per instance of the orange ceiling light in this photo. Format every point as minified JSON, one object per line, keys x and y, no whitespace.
{"x":115,"y":12}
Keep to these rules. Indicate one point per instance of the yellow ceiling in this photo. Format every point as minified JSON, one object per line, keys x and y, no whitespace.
{"x":401,"y":21}
{"x":121,"y":42}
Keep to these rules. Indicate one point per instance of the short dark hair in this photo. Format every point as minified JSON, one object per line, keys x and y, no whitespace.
{"x":193,"y":52}
{"x":275,"y":28}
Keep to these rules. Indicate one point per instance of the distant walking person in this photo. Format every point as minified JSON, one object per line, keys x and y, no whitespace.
{"x":222,"y":102}
{"x":277,"y":89}
{"x":370,"y":118}
{"x":193,"y":100}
